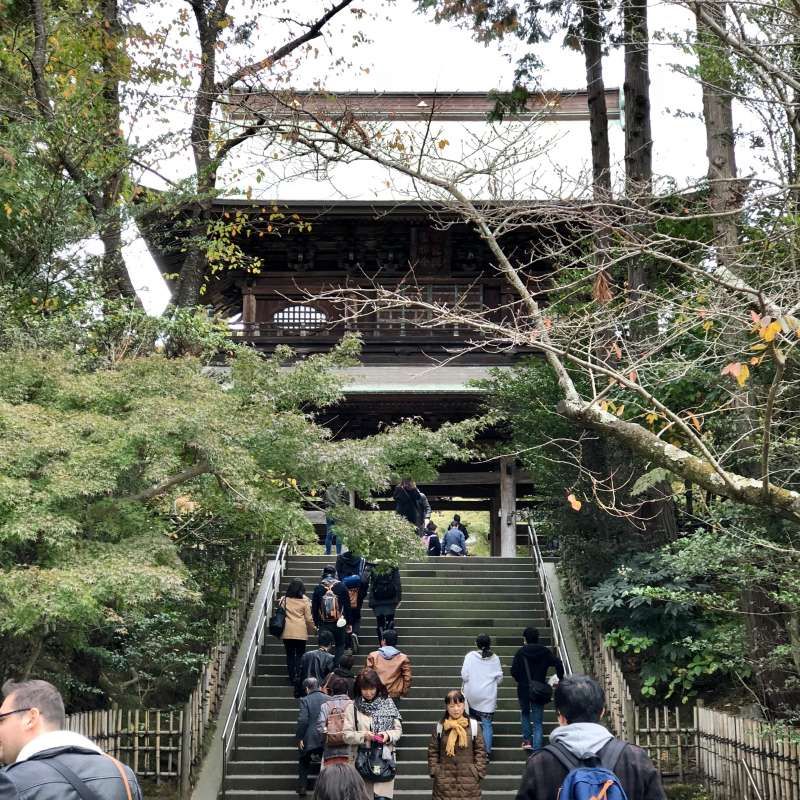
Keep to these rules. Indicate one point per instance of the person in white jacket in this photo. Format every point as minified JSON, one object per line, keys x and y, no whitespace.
{"x":482,"y":674}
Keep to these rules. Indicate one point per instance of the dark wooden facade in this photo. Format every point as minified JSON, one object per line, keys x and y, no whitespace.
{"x":298,"y":252}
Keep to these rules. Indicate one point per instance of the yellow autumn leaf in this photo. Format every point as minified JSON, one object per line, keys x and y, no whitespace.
{"x":574,"y":502}
{"x":769,"y":332}
{"x":708,"y":325}
{"x":442,"y":143}
{"x":744,"y":374}
{"x":651,"y":418}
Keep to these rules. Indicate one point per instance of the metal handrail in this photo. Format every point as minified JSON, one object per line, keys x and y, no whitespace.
{"x":549,"y":601}
{"x":231,"y":729}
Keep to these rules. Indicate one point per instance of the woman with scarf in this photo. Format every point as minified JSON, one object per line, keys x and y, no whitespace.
{"x":456,"y":755}
{"x":376,"y":720}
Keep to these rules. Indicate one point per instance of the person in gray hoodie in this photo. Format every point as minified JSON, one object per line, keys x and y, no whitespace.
{"x":580,"y":740}
{"x":309,"y":740}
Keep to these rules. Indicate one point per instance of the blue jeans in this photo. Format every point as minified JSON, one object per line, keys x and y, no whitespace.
{"x":532,"y":715}
{"x":486,"y":727}
{"x":331,"y":539}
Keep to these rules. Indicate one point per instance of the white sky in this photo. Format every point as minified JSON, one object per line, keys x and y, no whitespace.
{"x":410,"y":53}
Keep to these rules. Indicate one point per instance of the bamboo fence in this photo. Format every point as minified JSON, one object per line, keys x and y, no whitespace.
{"x":169,"y":744}
{"x":733,"y":756}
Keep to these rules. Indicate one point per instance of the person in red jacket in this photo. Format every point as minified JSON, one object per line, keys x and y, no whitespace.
{"x":581,"y":741}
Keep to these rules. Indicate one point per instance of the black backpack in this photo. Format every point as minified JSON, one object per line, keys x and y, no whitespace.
{"x":383,"y":587}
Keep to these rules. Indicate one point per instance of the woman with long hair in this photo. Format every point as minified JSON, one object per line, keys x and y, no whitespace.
{"x":375,"y":723}
{"x":299,"y":625}
{"x":456,"y":754}
{"x":481,"y":675}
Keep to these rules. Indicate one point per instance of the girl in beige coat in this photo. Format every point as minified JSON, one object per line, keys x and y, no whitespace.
{"x":375,"y":719}
{"x":299,"y":625}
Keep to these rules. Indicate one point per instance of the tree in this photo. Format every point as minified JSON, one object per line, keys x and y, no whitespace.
{"x":64,"y":68}
{"x":212,"y":137}
{"x":122,"y":467}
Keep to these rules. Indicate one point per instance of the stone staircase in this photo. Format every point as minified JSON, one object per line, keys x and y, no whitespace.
{"x":446,"y":603}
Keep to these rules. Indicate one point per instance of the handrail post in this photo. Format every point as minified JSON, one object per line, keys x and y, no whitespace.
{"x":551,"y":612}
{"x":230,"y":731}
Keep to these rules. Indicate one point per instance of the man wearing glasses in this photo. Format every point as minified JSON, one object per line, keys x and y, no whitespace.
{"x":44,"y":761}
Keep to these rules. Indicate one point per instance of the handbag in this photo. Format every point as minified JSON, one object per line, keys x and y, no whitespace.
{"x":372,"y":766}
{"x":277,"y":622}
{"x":539,"y":692}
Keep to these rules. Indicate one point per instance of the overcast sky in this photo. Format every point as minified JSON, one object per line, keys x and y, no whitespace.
{"x":409,"y":52}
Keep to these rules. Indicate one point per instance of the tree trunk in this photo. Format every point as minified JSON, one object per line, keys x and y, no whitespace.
{"x":595,"y":87}
{"x":636,"y":87}
{"x":116,"y":282}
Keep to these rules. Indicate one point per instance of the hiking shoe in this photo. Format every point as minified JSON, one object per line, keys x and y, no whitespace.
{"x":526,"y":744}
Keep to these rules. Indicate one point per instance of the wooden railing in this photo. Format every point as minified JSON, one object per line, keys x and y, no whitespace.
{"x":734,"y":757}
{"x":170,"y":743}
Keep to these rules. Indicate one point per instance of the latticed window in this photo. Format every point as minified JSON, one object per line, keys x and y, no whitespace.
{"x":299,"y":318}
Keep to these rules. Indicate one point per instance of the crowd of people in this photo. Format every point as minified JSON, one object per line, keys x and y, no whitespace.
{"x":353,"y":721}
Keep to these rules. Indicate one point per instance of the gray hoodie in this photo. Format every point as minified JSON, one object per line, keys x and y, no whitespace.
{"x":584,"y":739}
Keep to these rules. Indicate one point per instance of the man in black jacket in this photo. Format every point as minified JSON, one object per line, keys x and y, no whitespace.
{"x":44,"y":761}
{"x":582,"y":741}
{"x":309,"y":740}
{"x":326,"y":618}
{"x":530,"y":664}
{"x":317,"y":663}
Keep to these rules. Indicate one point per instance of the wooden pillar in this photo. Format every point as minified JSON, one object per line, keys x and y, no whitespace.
{"x":494,"y":525}
{"x":248,"y":307}
{"x":508,"y":507}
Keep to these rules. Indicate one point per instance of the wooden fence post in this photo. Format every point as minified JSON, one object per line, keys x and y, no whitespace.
{"x":186,"y":751}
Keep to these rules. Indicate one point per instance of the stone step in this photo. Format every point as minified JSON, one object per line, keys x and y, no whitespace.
{"x":283,"y":737}
{"x":248,"y":757}
{"x":400,"y":794}
{"x":423,"y":690}
{"x":286,"y":779}
{"x":411,"y":708}
{"x":430,"y":660}
{"x":278,"y":767}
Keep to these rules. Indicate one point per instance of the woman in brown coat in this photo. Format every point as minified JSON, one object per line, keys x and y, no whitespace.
{"x":299,"y":624}
{"x":456,"y":755}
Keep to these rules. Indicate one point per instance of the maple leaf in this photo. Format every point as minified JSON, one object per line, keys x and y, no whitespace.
{"x":574,"y":502}
{"x":737,"y":370}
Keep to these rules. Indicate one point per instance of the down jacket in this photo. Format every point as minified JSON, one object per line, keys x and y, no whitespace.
{"x":35,"y":779}
{"x":457,"y":777}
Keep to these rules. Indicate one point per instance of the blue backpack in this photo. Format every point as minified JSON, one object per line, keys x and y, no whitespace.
{"x":592,"y":778}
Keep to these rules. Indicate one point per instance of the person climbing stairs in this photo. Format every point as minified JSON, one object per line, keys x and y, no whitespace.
{"x":446,"y":604}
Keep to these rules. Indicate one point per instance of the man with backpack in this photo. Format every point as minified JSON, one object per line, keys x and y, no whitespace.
{"x":351,"y":569}
{"x":330,"y":608}
{"x":385,"y":594}
{"x":583,"y":759}
{"x":529,"y":670}
{"x":330,"y":723}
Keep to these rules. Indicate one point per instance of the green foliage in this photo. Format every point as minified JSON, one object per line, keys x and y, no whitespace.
{"x":674,"y":644}
{"x":133,"y":485}
{"x":382,"y":537}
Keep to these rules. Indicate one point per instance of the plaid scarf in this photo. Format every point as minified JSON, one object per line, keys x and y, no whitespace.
{"x":382,"y":710}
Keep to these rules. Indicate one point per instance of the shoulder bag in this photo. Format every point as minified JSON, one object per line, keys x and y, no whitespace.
{"x":370,"y":762}
{"x":539,"y":692}
{"x":277,"y":622}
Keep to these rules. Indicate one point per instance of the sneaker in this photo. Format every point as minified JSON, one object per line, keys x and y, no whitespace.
{"x":526,"y":744}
